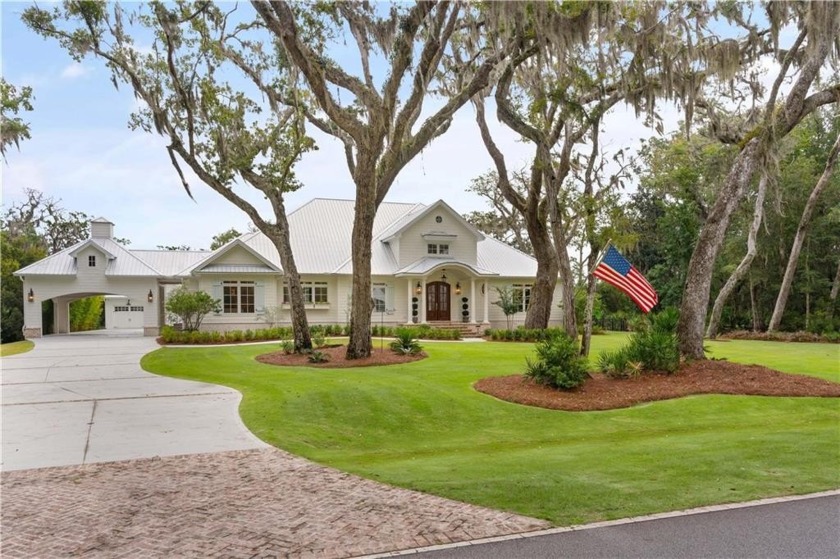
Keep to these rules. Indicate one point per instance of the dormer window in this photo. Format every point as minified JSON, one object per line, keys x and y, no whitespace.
{"x":92,"y":261}
{"x":437,"y":248}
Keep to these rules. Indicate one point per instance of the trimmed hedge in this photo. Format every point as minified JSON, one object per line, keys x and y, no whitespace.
{"x":521,"y":334}
{"x":169,"y":335}
{"x":827,"y":337}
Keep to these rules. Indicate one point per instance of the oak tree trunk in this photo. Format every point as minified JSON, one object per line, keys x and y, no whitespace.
{"x":300,"y":324}
{"x":835,"y":290}
{"x":744,"y":266}
{"x":695,"y":298}
{"x":799,"y":238}
{"x":542,"y":294}
{"x":591,"y":289}
{"x":567,"y":300}
{"x":360,"y":343}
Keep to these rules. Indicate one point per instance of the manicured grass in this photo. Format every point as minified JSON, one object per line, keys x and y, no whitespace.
{"x":422,"y":426}
{"x":15,"y":347}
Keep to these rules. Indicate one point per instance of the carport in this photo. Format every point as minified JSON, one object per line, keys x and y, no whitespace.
{"x":97,"y":266}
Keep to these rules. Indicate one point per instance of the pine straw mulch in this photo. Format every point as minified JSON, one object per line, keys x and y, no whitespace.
{"x":697,"y":377}
{"x":338,"y":360}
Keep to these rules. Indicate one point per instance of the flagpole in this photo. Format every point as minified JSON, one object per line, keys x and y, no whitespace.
{"x":601,"y":256}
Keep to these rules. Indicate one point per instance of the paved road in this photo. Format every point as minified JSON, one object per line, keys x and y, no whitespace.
{"x":803,"y":529}
{"x":80,"y":399}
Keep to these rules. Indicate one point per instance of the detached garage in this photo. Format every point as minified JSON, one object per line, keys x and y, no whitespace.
{"x":122,"y":313}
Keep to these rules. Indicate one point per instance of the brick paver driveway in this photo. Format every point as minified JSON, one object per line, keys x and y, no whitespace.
{"x":242,"y":503}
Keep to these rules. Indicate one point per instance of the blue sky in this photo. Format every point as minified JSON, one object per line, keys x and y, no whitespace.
{"x":83,"y":153}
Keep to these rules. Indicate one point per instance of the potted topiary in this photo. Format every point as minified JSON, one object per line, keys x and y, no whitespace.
{"x":465,"y":309}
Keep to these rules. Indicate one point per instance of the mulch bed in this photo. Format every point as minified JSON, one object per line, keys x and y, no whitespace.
{"x":697,"y":377}
{"x":338,"y":360}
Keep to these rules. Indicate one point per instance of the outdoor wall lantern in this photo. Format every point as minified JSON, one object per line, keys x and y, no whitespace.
{"x":418,"y":289}
{"x":458,"y":288}
{"x":443,"y":275}
{"x":150,"y":297}
{"x":30,"y":296}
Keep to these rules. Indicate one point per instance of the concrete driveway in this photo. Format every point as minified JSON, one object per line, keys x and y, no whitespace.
{"x":83,"y":398}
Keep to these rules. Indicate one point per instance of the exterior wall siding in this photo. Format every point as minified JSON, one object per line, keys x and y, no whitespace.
{"x":412,"y":245}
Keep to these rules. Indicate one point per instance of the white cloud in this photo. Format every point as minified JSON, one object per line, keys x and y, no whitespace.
{"x":75,"y":70}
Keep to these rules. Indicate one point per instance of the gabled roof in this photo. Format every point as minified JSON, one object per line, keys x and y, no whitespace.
{"x":271,"y":265}
{"x":396,"y":229}
{"x":121,"y":262}
{"x":93,"y":241}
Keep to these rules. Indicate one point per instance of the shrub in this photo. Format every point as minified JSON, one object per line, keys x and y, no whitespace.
{"x":287,"y":347}
{"x":190,"y":306}
{"x":318,"y":357}
{"x":234,"y":336}
{"x":652,"y":347}
{"x":318,"y":339}
{"x":405,"y":344}
{"x":617,"y":364}
{"x":559,"y":363}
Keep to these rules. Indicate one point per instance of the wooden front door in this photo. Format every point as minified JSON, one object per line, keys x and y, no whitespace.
{"x":437,"y":301}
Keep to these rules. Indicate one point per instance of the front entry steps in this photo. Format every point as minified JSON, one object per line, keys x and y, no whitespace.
{"x":467,"y":330}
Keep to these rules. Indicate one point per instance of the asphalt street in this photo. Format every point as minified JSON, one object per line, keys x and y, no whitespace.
{"x":803,"y":529}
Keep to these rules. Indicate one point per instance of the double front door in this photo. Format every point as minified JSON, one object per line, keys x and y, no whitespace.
{"x":437,"y":301}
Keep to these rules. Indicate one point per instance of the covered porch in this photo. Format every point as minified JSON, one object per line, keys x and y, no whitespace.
{"x":447,"y":293}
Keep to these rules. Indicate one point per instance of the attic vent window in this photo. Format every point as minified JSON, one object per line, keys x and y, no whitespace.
{"x":438,"y":219}
{"x":92,"y":261}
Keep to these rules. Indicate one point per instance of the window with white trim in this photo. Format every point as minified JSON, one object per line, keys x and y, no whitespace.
{"x":378,"y":293}
{"x":92,"y":261}
{"x":437,"y":248}
{"x":522,"y":295}
{"x":313,"y":292}
{"x":238,"y":297}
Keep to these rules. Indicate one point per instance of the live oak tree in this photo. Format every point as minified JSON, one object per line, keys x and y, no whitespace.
{"x":501,"y":221}
{"x":815,"y":45}
{"x":571,"y":62}
{"x":226,"y":135}
{"x":224,"y":238}
{"x":404,"y":52}
{"x":13,"y":129}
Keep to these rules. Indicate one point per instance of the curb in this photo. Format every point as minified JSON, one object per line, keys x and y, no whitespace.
{"x":604,"y":524}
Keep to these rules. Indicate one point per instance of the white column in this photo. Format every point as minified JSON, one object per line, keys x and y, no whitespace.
{"x":472,"y":301}
{"x":410,"y":285}
{"x":423,"y":303}
{"x":486,"y":302}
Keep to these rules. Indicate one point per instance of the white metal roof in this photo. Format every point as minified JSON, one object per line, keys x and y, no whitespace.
{"x":170,"y":262}
{"x":428,"y":263}
{"x":320,"y":233}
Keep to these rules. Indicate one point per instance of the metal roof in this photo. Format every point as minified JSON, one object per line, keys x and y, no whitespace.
{"x":170,"y":262}
{"x":428,"y":263}
{"x":236,"y":269}
{"x":320,"y":234}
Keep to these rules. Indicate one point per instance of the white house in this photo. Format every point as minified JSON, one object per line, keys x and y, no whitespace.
{"x":428,"y":265}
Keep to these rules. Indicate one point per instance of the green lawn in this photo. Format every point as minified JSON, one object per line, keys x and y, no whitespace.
{"x":422,"y":426}
{"x":15,"y":347}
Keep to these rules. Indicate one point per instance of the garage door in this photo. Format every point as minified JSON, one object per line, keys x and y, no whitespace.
{"x":126,"y":317}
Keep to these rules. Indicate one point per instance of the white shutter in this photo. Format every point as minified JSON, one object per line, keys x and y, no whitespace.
{"x":389,"y":297}
{"x":217,"y":292}
{"x":259,"y":297}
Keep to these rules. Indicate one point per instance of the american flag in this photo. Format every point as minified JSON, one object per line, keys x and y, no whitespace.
{"x":618,"y":272}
